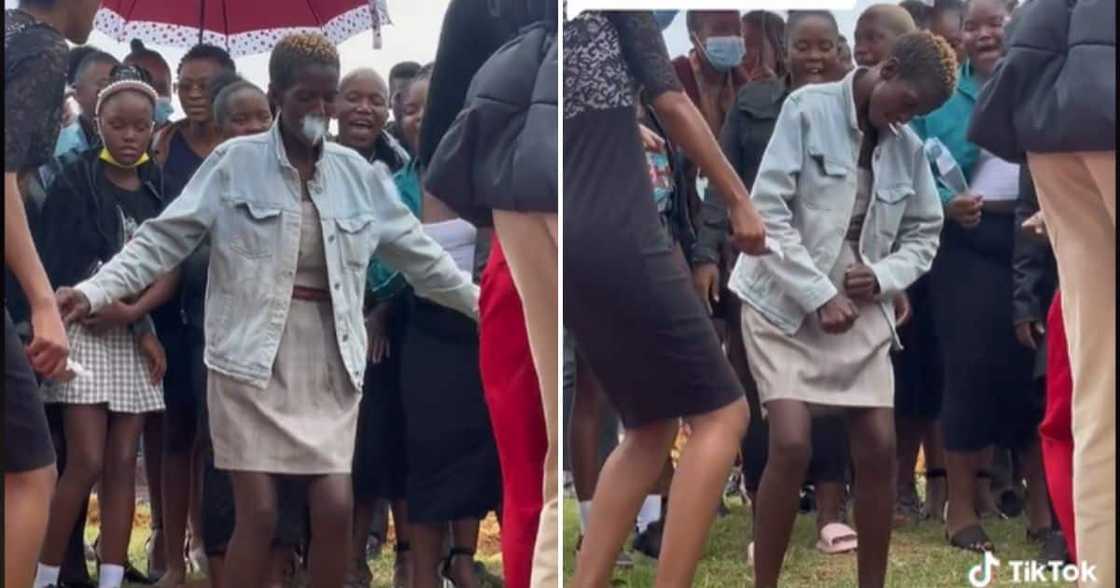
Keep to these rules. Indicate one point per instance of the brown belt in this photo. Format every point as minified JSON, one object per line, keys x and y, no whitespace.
{"x":311,"y":294}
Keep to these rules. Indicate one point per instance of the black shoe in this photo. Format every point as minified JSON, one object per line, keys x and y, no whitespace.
{"x":648,"y":542}
{"x":1052,"y":545}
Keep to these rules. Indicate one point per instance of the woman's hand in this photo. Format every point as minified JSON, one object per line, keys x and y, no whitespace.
{"x":748,"y":232}
{"x":837,"y":315}
{"x":1035,"y":227}
{"x":860,"y":283}
{"x":705,"y":277}
{"x":651,"y":141}
{"x":154,"y":355}
{"x":1029,"y":334}
{"x":965,"y":209}
{"x":49,"y":346}
{"x":902,"y":309}
{"x":377,"y":329}
{"x":72,"y":304}
{"x":117,"y":314}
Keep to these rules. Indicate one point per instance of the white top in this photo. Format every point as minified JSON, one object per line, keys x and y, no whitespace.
{"x":995,"y":179}
{"x":456,"y":237}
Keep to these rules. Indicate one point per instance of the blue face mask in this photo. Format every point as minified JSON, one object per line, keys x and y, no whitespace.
{"x":664,"y":18}
{"x":163,"y":111}
{"x":724,"y":53}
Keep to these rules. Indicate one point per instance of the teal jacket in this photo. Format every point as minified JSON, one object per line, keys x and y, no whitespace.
{"x":382,"y":281}
{"x":949,"y":124}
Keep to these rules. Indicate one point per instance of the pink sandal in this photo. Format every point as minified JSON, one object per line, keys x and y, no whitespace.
{"x":836,"y":538}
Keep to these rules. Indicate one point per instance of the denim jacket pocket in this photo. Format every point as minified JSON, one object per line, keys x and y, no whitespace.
{"x":256,"y":233}
{"x":820,"y":189}
{"x":356,"y":240}
{"x":891,"y":206}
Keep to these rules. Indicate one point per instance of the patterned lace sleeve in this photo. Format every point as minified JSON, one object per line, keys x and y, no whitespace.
{"x":644,"y":50}
{"x":34,"y":84}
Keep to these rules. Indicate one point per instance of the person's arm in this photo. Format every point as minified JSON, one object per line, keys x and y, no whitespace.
{"x":406,"y":248}
{"x":162,"y":243}
{"x":712,"y":229}
{"x":919,"y":234}
{"x":775,"y":188}
{"x":49,"y":346}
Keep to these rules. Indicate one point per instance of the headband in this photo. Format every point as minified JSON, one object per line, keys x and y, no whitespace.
{"x":121,"y":86}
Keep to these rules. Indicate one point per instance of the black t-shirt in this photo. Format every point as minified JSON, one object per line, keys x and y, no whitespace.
{"x":136,"y":206}
{"x":34,"y":88}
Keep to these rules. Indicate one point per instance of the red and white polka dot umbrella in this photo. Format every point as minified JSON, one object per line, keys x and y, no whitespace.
{"x":242,"y":27}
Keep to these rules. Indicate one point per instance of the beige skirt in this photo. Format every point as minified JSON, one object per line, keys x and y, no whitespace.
{"x":305,"y":421}
{"x":851,"y":369}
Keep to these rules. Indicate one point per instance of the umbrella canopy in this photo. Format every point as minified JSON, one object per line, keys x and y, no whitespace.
{"x":242,"y":27}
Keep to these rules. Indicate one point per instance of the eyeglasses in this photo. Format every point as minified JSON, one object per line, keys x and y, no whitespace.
{"x":189,"y":87}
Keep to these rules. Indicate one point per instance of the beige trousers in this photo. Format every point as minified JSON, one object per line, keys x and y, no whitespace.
{"x":1077,"y":194}
{"x":530,"y":243}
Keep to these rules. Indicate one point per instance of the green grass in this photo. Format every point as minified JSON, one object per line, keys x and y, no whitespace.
{"x":919,"y":556}
{"x":382,"y":567}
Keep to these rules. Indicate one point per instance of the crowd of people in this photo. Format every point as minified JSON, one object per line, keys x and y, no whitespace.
{"x":294,"y":332}
{"x":828,"y":269}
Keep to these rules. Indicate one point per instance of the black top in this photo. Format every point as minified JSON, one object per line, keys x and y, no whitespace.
{"x":86,"y":220}
{"x":472,"y":31}
{"x":608,"y":56}
{"x":34,"y":86}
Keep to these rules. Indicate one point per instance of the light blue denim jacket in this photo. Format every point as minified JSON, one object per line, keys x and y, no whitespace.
{"x":246,"y":198}
{"x":805,"y":192}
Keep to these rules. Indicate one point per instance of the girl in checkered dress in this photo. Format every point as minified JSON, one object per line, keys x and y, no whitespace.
{"x":92,"y":208}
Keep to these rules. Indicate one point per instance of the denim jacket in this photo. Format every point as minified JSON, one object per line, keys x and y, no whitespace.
{"x":805,"y":191}
{"x":246,"y":198}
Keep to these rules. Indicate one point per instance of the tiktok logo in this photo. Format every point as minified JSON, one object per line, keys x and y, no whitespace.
{"x":1032,"y":572}
{"x":981,"y":574}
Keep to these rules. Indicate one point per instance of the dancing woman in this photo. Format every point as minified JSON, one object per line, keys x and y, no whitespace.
{"x":293,"y":222}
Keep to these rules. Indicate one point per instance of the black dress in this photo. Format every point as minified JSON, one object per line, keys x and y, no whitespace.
{"x":628,"y":295}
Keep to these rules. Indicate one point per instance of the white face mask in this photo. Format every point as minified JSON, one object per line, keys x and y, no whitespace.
{"x":314,"y":128}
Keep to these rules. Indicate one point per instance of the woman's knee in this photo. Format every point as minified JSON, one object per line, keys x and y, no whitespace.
{"x":789,"y":449}
{"x":653,"y":437}
{"x":258,"y":518}
{"x":730,"y":420}
{"x":874,"y":449}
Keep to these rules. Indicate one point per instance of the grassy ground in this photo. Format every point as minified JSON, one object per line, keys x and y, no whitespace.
{"x":489,"y":548}
{"x":919,"y":558}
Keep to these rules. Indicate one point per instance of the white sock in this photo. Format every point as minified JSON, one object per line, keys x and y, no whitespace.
{"x":584,"y":514}
{"x":110,"y":576}
{"x":46,"y":575}
{"x":650,"y":513}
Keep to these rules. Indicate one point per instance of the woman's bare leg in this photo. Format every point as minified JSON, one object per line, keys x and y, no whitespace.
{"x":530,"y":242}
{"x":118,"y":486}
{"x":427,"y":554}
{"x":786,"y":464}
{"x":177,"y":481}
{"x":27,"y":503}
{"x":153,"y":469}
{"x":86,"y":429}
{"x":588,"y":407}
{"x":874,"y":455}
{"x":697,"y":487}
{"x":464,"y":535}
{"x":332,"y":510}
{"x":254,"y":495}
{"x":625,"y":480}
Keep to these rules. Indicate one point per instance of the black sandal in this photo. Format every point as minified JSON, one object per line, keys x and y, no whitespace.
{"x":1052,"y":544}
{"x":445,"y":567}
{"x":971,"y":538}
